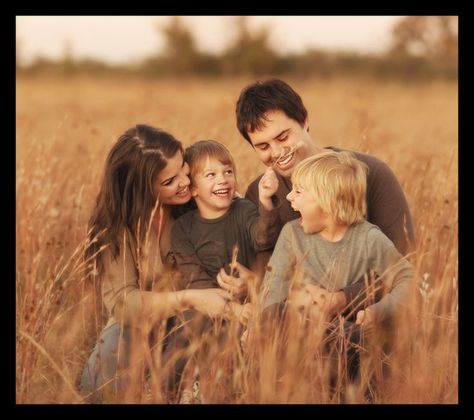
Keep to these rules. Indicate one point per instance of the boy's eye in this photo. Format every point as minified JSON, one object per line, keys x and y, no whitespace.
{"x":229,"y":172}
{"x":209,"y":175}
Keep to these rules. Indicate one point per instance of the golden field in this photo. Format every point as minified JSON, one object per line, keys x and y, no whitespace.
{"x":64,"y":129}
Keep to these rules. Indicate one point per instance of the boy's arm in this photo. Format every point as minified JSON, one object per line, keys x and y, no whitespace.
{"x":267,"y":226}
{"x":194,"y":275}
{"x":394,"y":270}
{"x":276,"y":283}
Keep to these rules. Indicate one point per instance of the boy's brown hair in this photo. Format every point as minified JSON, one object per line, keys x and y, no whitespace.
{"x":197,"y":154}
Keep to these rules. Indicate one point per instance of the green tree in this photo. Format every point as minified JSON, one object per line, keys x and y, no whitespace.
{"x":251,"y":51}
{"x":431,"y":37}
{"x":181,"y":55}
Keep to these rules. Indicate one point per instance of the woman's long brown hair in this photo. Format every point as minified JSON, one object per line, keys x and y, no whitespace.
{"x":126,"y":198}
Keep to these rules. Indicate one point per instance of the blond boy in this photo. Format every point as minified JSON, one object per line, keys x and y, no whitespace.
{"x":332,"y":245}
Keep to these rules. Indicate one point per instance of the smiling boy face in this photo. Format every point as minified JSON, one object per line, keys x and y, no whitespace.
{"x":213,"y":188}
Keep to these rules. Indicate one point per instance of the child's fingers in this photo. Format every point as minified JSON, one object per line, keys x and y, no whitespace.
{"x":360,"y":317}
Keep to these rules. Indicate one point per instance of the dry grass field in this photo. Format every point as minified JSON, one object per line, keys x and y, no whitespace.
{"x":65,"y":128}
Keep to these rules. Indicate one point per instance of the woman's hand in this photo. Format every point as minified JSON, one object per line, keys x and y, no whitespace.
{"x":237,"y":287}
{"x":211,"y":302}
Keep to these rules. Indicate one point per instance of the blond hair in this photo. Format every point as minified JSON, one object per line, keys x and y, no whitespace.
{"x":337,"y":181}
{"x":197,"y":154}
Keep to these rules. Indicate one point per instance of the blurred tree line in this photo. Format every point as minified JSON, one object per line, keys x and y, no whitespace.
{"x":421,"y":47}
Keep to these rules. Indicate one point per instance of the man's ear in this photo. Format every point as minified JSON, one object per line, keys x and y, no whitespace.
{"x":306,"y":124}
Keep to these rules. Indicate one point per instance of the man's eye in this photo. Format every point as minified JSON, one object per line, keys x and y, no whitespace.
{"x":210,"y":175}
{"x":263,"y":147}
{"x":282,"y":138}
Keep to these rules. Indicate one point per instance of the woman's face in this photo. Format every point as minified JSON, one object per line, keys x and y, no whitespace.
{"x":172,"y":183}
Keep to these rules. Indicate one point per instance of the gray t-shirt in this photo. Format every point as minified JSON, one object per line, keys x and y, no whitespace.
{"x":309,"y":258}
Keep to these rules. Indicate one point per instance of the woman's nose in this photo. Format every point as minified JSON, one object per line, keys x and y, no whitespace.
{"x":184,"y":180}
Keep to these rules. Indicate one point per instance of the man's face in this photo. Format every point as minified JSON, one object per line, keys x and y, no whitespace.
{"x":275,"y":142}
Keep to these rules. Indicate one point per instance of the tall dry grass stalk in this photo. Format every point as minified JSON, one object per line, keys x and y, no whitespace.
{"x":64,"y":130}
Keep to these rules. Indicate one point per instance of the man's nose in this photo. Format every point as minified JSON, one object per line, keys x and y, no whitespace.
{"x":276,"y":152}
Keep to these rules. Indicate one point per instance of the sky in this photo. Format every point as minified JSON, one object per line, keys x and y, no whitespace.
{"x":126,"y":39}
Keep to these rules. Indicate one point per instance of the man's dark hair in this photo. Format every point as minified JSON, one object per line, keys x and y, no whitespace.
{"x":260,"y":97}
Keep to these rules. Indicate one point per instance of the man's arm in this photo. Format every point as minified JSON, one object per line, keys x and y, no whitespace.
{"x":388,"y":207}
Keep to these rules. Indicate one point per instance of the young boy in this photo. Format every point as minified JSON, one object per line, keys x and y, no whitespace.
{"x":331,"y":244}
{"x":206,"y":239}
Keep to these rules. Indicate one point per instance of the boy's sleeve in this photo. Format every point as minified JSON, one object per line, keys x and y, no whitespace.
{"x":263,"y":226}
{"x":276,"y":283}
{"x":394,"y":271}
{"x":194,"y":275}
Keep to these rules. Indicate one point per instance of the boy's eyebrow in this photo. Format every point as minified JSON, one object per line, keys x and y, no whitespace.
{"x":274,"y":138}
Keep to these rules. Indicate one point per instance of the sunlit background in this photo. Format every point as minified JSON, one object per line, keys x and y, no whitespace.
{"x":384,"y":85}
{"x":119,"y":39}
{"x":210,"y":45}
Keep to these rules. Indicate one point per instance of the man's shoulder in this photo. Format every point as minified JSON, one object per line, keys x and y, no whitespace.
{"x":254,"y":184}
{"x":370,"y":160}
{"x":252,"y":190}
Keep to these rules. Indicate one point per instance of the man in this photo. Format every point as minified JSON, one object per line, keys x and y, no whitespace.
{"x":272,"y":117}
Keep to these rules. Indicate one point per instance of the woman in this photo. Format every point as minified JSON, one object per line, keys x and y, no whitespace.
{"x":145,"y":183}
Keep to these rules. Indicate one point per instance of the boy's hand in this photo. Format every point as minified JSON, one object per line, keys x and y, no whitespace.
{"x":246,"y":313}
{"x":244,"y":340}
{"x":267,"y":187}
{"x":331,"y":303}
{"x":365,"y":318}
{"x":236,"y":286}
